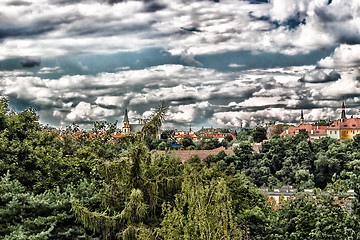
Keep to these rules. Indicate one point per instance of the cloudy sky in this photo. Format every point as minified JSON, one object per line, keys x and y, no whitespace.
{"x":220,"y":63}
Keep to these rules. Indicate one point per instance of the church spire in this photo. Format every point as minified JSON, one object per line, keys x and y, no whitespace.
{"x":126,"y":118}
{"x":126,"y":127}
{"x":302,"y":117}
{"x":343,"y":116}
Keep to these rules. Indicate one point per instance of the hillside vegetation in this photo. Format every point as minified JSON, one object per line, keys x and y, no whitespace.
{"x":82,"y":187}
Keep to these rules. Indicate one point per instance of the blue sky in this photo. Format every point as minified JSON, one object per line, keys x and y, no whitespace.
{"x":219,"y":63}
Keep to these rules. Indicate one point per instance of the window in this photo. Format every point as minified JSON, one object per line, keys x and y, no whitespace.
{"x":330,"y":132}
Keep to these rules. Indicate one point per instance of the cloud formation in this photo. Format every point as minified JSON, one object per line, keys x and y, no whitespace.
{"x":197,"y":96}
{"x":30,"y":62}
{"x":221,"y":63}
{"x":319,"y":76}
{"x":62,"y":27}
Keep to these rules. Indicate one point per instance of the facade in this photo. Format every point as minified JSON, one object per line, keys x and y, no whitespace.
{"x":287,"y":192}
{"x":219,"y":136}
{"x":128,"y":127}
{"x":179,"y":135}
{"x":315,"y":132}
{"x":343,"y":128}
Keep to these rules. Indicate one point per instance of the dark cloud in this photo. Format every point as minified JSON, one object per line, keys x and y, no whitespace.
{"x":154,"y":6}
{"x":36,"y":27}
{"x":326,"y":16}
{"x":350,"y":38}
{"x":294,"y":21}
{"x":258,"y":1}
{"x":30,"y":62}
{"x":319,"y":76}
{"x":191,"y":29}
{"x":18,"y":3}
{"x":18,"y":31}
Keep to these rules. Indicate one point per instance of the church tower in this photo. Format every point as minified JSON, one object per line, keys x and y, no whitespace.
{"x":343,"y":116}
{"x":126,"y":126}
{"x":302,"y":118}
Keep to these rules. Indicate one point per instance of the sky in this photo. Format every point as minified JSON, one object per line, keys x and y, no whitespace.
{"x":219,"y":63}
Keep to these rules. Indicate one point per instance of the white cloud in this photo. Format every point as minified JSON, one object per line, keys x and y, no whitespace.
{"x":45,"y":29}
{"x":343,"y":56}
{"x":87,"y":112}
{"x":234,"y":65}
{"x":347,"y":85}
{"x":198,"y":96}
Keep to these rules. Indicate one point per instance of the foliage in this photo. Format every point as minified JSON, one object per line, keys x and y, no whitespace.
{"x":310,"y":217}
{"x":25,"y":215}
{"x":276,"y":130}
{"x":202,"y":210}
{"x":186,"y":142}
{"x":259,"y":134}
{"x":117,"y":189}
{"x":208,"y":143}
{"x":135,"y":189}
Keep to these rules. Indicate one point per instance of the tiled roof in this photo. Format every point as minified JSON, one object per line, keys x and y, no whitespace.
{"x":80,"y":133}
{"x":183,"y":135}
{"x":312,"y":130}
{"x":219,"y":135}
{"x":347,"y":123}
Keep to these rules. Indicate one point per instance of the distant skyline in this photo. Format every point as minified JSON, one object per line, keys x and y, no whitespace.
{"x":220,"y":63}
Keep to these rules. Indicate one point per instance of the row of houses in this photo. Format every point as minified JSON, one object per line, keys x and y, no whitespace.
{"x":343,"y":128}
{"x":279,"y":195}
{"x":198,"y":137}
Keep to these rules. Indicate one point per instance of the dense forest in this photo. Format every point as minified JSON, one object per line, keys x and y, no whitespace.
{"x":82,"y":187}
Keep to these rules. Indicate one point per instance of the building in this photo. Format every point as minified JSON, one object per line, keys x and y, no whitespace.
{"x":315,"y":132}
{"x":129,"y":127}
{"x":287,"y":192}
{"x":344,"y":128}
{"x":219,"y":136}
{"x":281,"y":194}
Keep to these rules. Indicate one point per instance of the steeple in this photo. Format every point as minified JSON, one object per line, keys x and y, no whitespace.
{"x":126,"y":127}
{"x":343,"y":116}
{"x":126,"y":118}
{"x":302,"y":117}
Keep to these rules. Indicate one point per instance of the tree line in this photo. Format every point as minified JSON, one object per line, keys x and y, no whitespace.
{"x":107,"y":188}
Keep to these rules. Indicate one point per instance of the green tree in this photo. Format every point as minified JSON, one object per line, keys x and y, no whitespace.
{"x":202,"y":210}
{"x":186,"y":142}
{"x":47,"y":215}
{"x":249,"y":206}
{"x":259,"y":134}
{"x":308,"y":217}
{"x":228,"y":138}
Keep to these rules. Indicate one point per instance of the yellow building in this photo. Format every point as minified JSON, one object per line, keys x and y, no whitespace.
{"x":344,"y":128}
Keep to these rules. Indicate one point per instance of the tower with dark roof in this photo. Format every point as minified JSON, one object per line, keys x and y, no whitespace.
{"x":343,"y":116}
{"x":302,"y":121}
{"x":126,"y":126}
